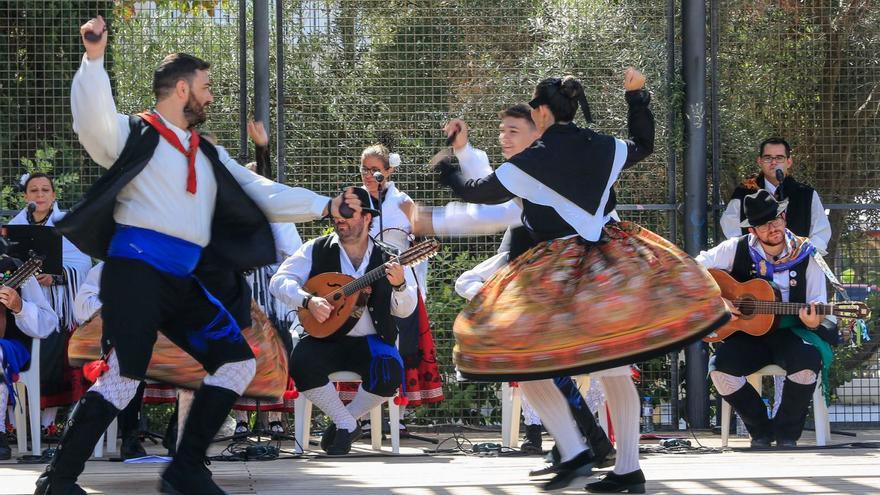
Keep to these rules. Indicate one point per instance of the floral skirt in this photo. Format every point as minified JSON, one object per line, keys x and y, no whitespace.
{"x":570,"y":306}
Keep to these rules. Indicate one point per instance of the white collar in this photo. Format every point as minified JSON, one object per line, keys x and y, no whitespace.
{"x":182,"y":135}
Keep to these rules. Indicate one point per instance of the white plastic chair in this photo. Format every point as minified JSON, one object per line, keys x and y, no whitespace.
{"x":303,"y":417}
{"x":820,"y":409}
{"x":110,"y":437}
{"x":511,"y":407}
{"x":28,"y":390}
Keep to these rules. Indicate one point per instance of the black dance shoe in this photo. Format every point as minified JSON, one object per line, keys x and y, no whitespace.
{"x":343,"y":440}
{"x":761,"y":442}
{"x":568,"y":471}
{"x":633,"y":482}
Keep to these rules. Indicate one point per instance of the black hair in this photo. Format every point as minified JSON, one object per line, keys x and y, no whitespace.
{"x":38,"y":175}
{"x":173,"y":68}
{"x":774,"y":140}
{"x":562,"y":96}
{"x":518,"y":111}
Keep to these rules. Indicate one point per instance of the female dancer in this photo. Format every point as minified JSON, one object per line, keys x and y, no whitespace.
{"x":592,"y":293}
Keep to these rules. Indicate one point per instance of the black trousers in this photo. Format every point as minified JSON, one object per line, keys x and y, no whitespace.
{"x":742,"y":354}
{"x":313,"y":360}
{"x":139,"y":300}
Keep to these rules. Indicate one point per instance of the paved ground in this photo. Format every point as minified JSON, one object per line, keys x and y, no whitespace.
{"x":847,"y":470}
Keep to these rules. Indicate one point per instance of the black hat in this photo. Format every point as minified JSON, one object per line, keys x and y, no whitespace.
{"x":761,"y":208}
{"x":366,"y":203}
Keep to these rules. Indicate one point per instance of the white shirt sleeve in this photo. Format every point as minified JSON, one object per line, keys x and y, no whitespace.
{"x":730,"y":219}
{"x":820,"y":227}
{"x":36,"y":318}
{"x":720,"y":256}
{"x":474,"y":219}
{"x":279,"y":202}
{"x":88,"y":300}
{"x":471,"y":281}
{"x":403,"y":303}
{"x":474,"y":162}
{"x":286,"y":284}
{"x":101,"y":129}
{"x":287,"y":239}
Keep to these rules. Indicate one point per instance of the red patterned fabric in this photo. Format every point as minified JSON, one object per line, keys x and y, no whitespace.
{"x":421,"y":373}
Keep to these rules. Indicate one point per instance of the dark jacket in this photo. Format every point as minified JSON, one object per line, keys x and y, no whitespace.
{"x":241,"y":237}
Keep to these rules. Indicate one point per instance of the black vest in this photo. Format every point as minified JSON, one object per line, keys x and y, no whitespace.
{"x":325,"y":258}
{"x":241,"y":237}
{"x":800,"y":202}
{"x":743,"y":270}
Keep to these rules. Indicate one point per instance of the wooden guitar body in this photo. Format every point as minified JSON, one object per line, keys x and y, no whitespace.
{"x":328,"y":285}
{"x":750,"y":322}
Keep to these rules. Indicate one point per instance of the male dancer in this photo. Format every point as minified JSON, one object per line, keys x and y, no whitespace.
{"x":161,"y":208}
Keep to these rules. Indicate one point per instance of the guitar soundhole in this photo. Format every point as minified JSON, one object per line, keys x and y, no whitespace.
{"x":336,"y":297}
{"x":746,"y":306}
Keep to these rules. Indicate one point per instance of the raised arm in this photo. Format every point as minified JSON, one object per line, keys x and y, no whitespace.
{"x":640,"y":119}
{"x":101,"y":130}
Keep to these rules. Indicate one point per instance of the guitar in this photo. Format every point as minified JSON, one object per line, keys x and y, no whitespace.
{"x":25,"y":271}
{"x":759,"y":303}
{"x":343,"y":291}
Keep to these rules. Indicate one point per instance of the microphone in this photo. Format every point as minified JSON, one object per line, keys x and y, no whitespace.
{"x":31,"y":208}
{"x":780,"y":175}
{"x":378,"y":177}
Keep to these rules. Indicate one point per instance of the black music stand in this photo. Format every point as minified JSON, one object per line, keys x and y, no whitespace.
{"x":42,"y":240}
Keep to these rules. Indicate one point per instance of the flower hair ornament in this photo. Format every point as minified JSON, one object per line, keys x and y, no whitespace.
{"x":393,"y":160}
{"x":23,"y":180}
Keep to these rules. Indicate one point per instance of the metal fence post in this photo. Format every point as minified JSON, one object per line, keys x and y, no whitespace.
{"x":693,"y":15}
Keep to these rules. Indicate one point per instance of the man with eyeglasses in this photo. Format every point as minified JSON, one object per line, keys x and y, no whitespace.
{"x":805,"y":215}
{"x":800,"y":344}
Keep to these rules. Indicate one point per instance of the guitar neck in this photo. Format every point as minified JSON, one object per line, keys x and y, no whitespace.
{"x":408,"y":257}
{"x":780,"y":308}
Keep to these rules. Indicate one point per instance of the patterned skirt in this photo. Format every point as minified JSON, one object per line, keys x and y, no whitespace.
{"x":568,"y":306}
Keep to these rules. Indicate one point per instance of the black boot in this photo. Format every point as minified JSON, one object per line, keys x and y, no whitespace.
{"x":748,"y":404}
{"x":567,"y":471}
{"x":92,"y":417}
{"x":187,"y":474}
{"x":343,"y":439}
{"x":5,"y":451}
{"x":789,"y":421}
{"x":533,"y":442}
{"x":633,"y":482}
{"x":328,"y":437}
{"x":601,"y":446}
{"x":169,"y":440}
{"x":129,"y":426}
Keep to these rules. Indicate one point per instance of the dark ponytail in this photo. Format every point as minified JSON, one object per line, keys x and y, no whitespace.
{"x":563,"y":97}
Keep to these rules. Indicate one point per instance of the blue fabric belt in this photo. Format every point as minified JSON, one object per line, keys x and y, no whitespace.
{"x":15,"y":356}
{"x":178,"y":258}
{"x":161,"y":251}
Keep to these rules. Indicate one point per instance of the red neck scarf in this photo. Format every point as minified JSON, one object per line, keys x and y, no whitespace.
{"x":154,"y":120}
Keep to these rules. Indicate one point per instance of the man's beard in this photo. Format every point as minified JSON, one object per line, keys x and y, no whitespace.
{"x":194,"y":112}
{"x":354,"y":233}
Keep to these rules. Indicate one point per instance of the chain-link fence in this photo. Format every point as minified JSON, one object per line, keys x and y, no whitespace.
{"x":359,"y":72}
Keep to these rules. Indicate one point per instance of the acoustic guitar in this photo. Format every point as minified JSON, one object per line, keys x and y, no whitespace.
{"x":17,"y":279}
{"x":343,"y":291}
{"x":761,"y":307}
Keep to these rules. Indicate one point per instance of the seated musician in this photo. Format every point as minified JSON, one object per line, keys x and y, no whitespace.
{"x":27,"y":315}
{"x":801,"y":344}
{"x":365,"y":344}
